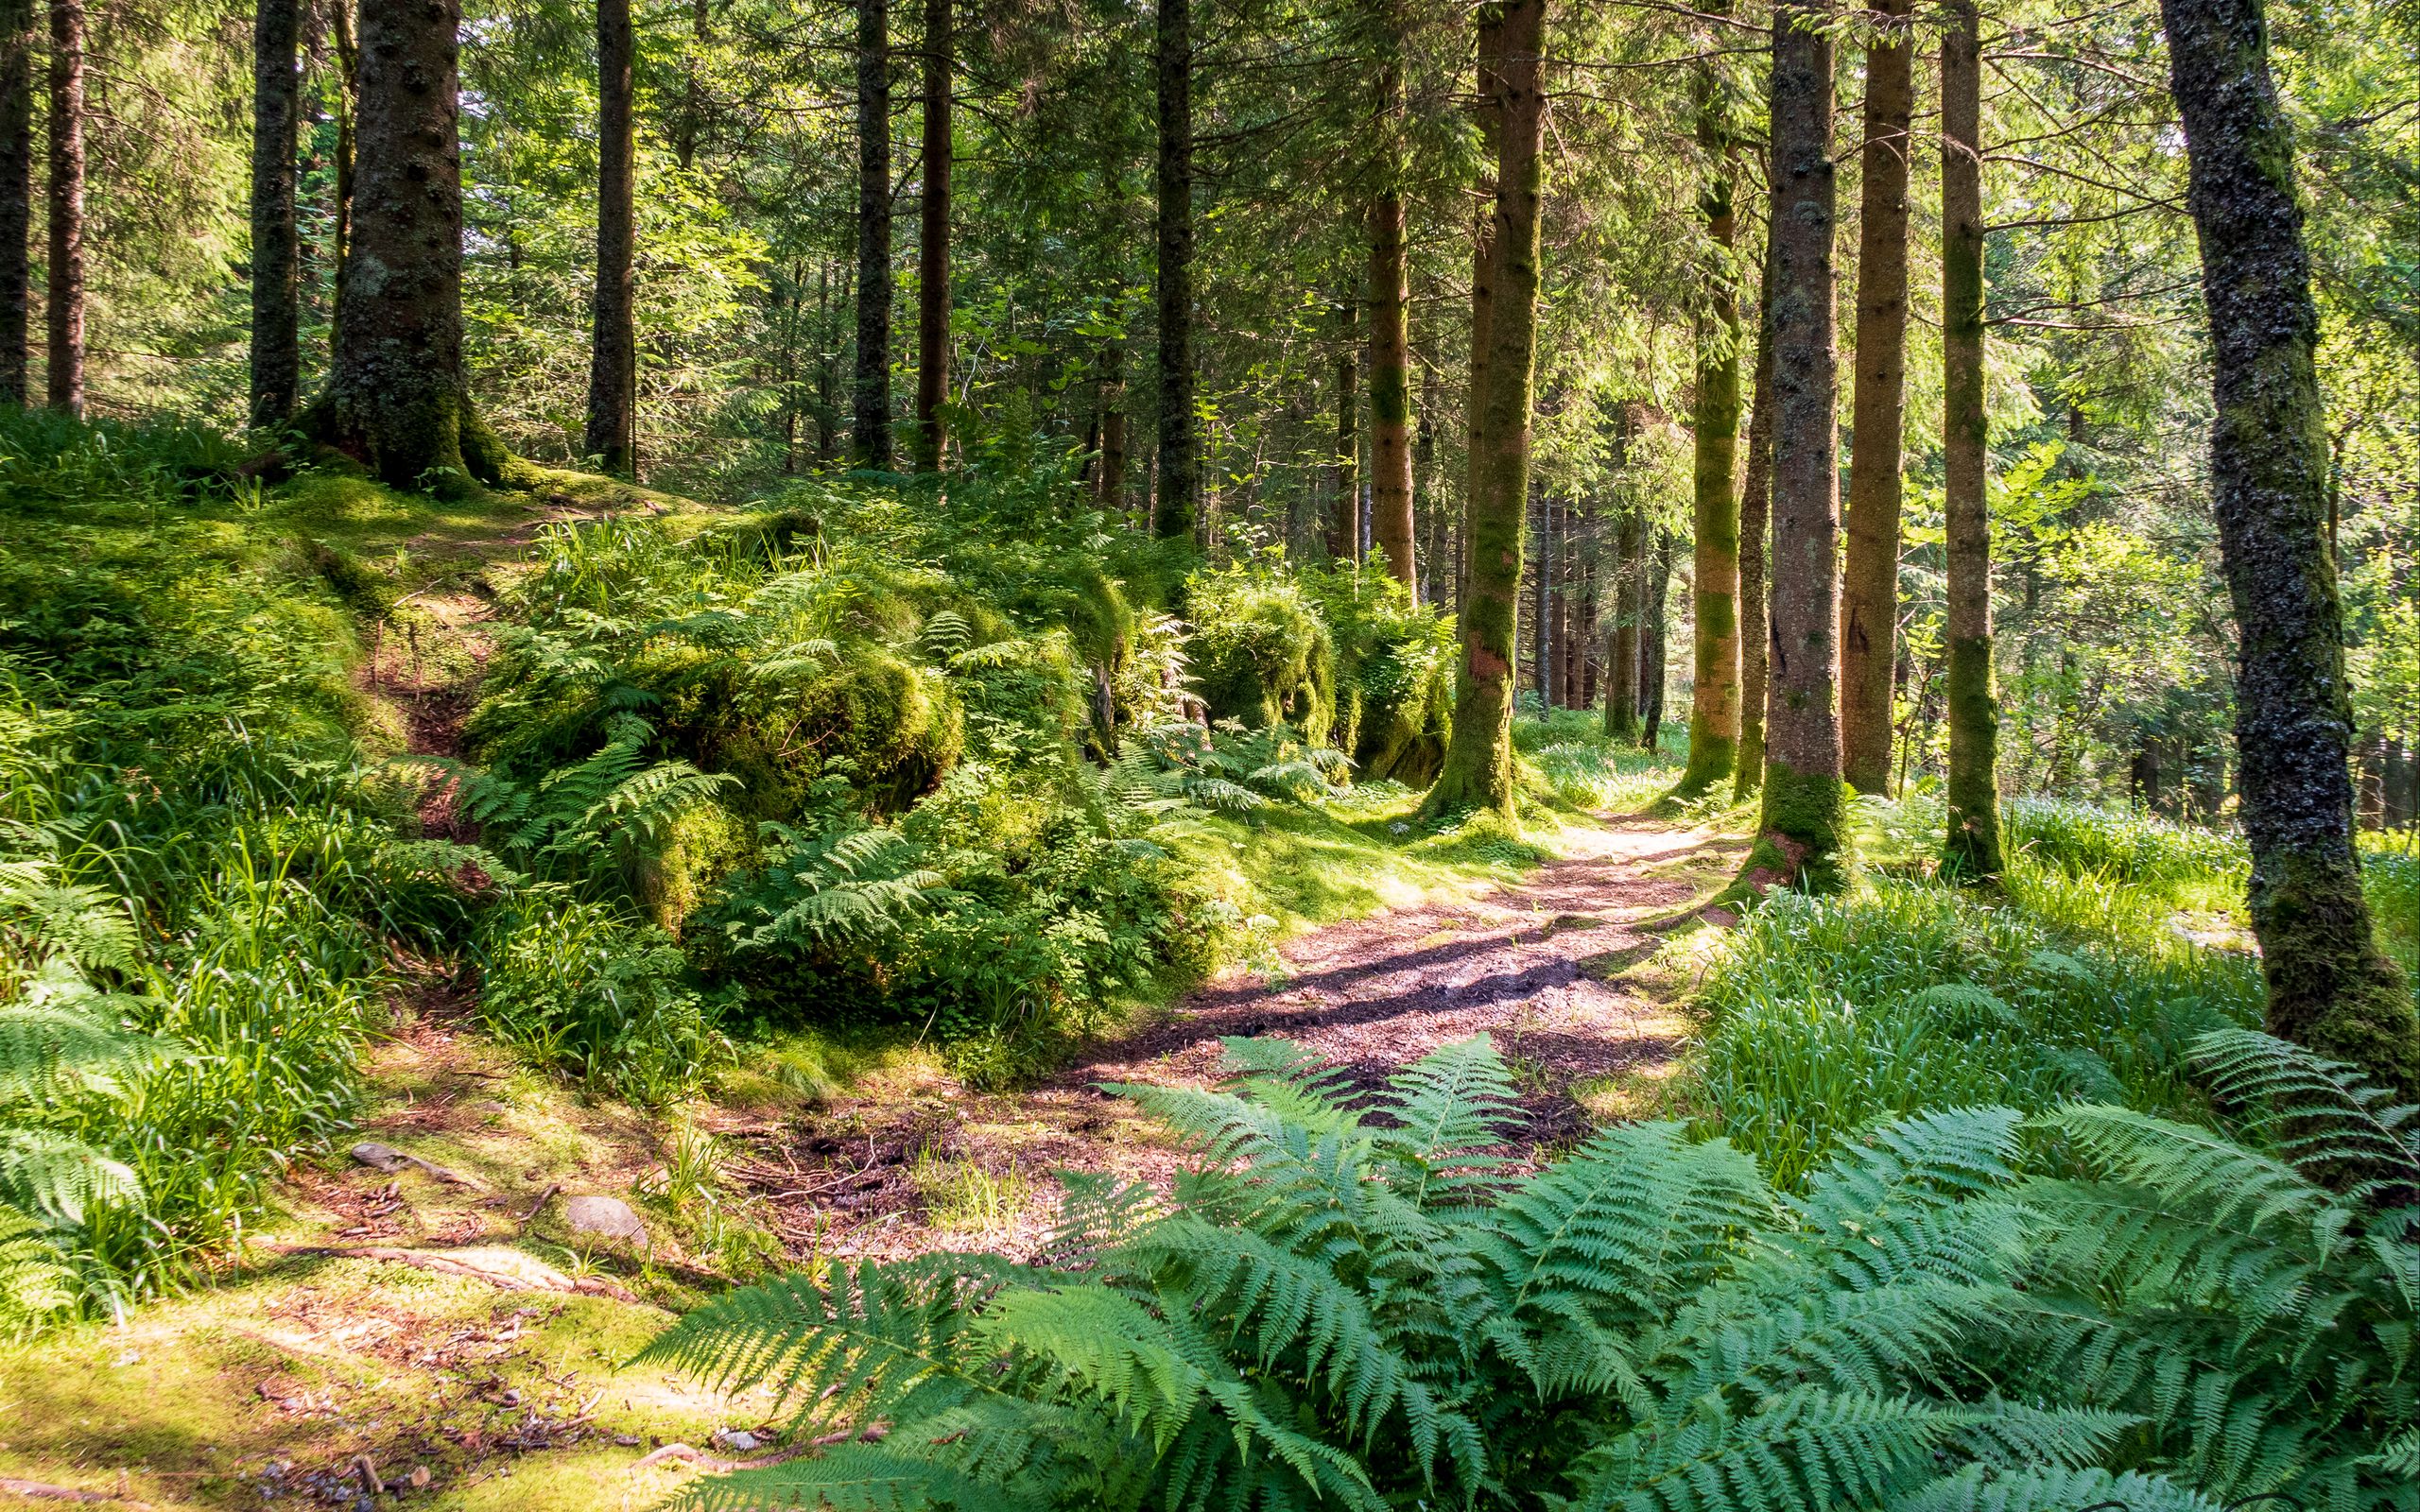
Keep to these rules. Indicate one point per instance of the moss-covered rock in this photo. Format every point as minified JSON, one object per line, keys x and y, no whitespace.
{"x":1261,"y":653}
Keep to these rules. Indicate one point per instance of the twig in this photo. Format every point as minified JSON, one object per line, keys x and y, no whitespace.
{"x":540,"y":1206}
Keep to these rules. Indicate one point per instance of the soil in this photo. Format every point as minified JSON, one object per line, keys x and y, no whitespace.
{"x":1540,"y":967}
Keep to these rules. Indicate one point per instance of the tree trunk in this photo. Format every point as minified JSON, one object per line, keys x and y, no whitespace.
{"x":1714,"y":705}
{"x":64,"y":298}
{"x":396,"y":397}
{"x":932,"y":247}
{"x":1478,"y":760}
{"x":1799,"y":839}
{"x":1109,"y":489}
{"x":348,"y":51}
{"x":1345,"y":541}
{"x":277,"y":316}
{"x":1390,"y":392}
{"x":1755,"y":509}
{"x":1542,"y":607}
{"x":612,"y":372}
{"x":1654,"y":638}
{"x":1488,"y":85}
{"x":1972,"y":849}
{"x":1178,"y":486}
{"x":869,"y":432}
{"x":2329,"y":986}
{"x":17,"y":43}
{"x":1870,"y":575}
{"x":1621,"y":644}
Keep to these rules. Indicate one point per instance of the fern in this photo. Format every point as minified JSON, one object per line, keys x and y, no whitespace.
{"x":1351,"y":1300}
{"x":33,"y":1279}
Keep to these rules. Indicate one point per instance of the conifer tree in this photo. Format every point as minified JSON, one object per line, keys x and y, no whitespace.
{"x":612,"y":435}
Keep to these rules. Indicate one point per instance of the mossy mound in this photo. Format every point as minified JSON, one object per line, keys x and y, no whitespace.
{"x":1261,"y":652}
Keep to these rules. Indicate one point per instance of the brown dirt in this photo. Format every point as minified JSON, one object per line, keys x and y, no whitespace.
{"x":1539,"y":966}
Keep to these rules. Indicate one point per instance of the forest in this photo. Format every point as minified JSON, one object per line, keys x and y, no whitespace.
{"x":1210,"y":754}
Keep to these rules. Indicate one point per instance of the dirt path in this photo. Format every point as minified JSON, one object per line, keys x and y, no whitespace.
{"x":1538,"y":966}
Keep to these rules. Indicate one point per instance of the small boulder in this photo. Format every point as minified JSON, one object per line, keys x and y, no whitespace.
{"x":736,"y":1440}
{"x":598,"y":1217}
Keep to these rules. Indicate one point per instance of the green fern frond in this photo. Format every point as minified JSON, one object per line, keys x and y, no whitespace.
{"x":1984,"y":1488}
{"x":60,"y":1177}
{"x":33,"y":1279}
{"x":1450,"y":1108}
{"x":1803,"y":1450}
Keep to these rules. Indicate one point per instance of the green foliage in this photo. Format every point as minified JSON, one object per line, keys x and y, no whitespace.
{"x":577,"y":986}
{"x":1261,"y":654}
{"x":2124,"y":844}
{"x":1354,"y":1302}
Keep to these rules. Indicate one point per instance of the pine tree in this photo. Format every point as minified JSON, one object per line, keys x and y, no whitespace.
{"x":277,"y":355}
{"x":870,"y":434}
{"x":612,"y":436}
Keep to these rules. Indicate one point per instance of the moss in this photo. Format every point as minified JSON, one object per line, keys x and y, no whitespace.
{"x":1262,"y":655}
{"x":701,"y":845}
{"x":898,"y":725}
{"x":1801,"y":837}
{"x":358,"y":585}
{"x":1971,"y":848}
{"x":1710,"y":760}
{"x":2331,"y":986}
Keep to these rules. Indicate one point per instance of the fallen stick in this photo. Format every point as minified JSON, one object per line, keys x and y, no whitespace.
{"x":448,"y":1265}
{"x":540,"y":1206}
{"x":43,"y":1492}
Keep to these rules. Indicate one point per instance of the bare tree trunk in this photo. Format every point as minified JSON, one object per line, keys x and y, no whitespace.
{"x":1870,"y":575}
{"x":17,"y":43}
{"x":277,"y":315}
{"x":396,"y":397}
{"x":1478,"y":760}
{"x":1345,"y":541}
{"x":1489,"y":115}
{"x":64,"y":298}
{"x":1541,"y":607}
{"x":1755,"y":509}
{"x":613,"y":372}
{"x":1972,"y":849}
{"x":348,"y":50}
{"x":1109,"y":492}
{"x":1621,"y":644}
{"x":870,"y":431}
{"x":932,"y":247}
{"x":1714,"y":704}
{"x":1654,"y":637}
{"x":1801,"y":839}
{"x":2330,"y":987}
{"x":1178,"y":485}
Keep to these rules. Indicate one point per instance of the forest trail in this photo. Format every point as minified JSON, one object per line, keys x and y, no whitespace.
{"x":1539,"y":965}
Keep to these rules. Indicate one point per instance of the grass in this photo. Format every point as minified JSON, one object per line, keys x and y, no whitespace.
{"x":964,"y":1196}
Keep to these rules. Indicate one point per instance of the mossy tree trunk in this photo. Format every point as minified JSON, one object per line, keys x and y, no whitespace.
{"x":1714,"y":706}
{"x":1654,"y":640}
{"x":16,"y":196}
{"x":1488,"y":114}
{"x":63,"y":294}
{"x":1390,"y":493}
{"x":276,"y":260}
{"x":611,"y":434}
{"x":1110,"y":490}
{"x":1870,"y":575}
{"x":1177,"y":486}
{"x":1755,"y":508}
{"x":2329,"y":986}
{"x":870,"y":440}
{"x":1799,"y":836}
{"x":932,"y":253}
{"x":396,"y":396}
{"x":1478,"y":760}
{"x":1621,"y":638}
{"x":1972,"y":844}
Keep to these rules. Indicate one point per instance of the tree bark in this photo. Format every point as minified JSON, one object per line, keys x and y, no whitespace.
{"x":1972,"y":844}
{"x":612,"y":372}
{"x":17,"y":44}
{"x":1714,"y":704}
{"x":1390,"y":493}
{"x":932,"y":247}
{"x":1654,"y":638}
{"x":1178,"y":486}
{"x":1755,"y":509}
{"x":1345,"y":541}
{"x":1488,"y":111}
{"x":1870,"y":573}
{"x":396,"y":397}
{"x":63,"y":301}
{"x":1801,"y":839}
{"x":1621,"y":642}
{"x":1542,"y":607}
{"x":1109,"y":489}
{"x":1478,"y":760}
{"x":276,"y":350}
{"x":2330,"y":987}
{"x":869,"y":433}
{"x":348,"y":49}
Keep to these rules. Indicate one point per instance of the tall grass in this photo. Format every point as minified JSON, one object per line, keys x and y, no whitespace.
{"x":1826,"y":1014}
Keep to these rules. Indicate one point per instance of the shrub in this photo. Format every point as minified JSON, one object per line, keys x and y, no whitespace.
{"x":580,"y":986}
{"x":1394,"y":698}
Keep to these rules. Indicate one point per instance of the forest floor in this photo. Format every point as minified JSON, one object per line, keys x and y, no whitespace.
{"x":437,"y":1335}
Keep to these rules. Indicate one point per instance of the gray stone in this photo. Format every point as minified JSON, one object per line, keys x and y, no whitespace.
{"x":597,"y":1217}
{"x":739,"y":1440}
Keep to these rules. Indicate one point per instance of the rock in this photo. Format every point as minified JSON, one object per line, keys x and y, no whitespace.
{"x":597,"y":1217}
{"x":739,"y":1440}
{"x":390,"y":1160}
